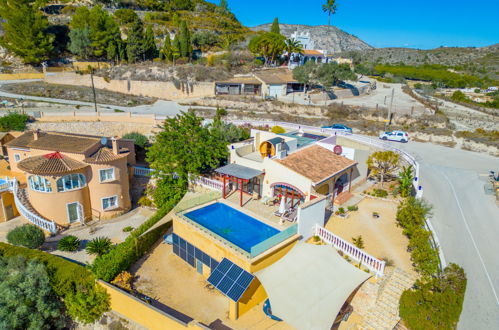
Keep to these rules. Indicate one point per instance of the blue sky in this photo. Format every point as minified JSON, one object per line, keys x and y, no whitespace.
{"x":387,"y":23}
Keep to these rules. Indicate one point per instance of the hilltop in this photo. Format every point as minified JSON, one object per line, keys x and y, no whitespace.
{"x":326,"y":37}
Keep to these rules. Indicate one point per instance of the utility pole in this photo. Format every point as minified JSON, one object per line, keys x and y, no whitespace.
{"x":93,"y":87}
{"x":390,"y":109}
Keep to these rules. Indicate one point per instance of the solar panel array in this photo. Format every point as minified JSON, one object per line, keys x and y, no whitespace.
{"x":189,"y":253}
{"x":230,"y":279}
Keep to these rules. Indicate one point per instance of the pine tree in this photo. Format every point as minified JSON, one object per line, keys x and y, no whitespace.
{"x":135,"y":42}
{"x":121,"y":50}
{"x":275,"y":26}
{"x":185,"y":41}
{"x":224,"y":6}
{"x":112,"y":51}
{"x":25,"y":31}
{"x":150,"y":50}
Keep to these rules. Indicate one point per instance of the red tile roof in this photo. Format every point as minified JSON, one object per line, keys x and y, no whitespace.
{"x":50,"y":164}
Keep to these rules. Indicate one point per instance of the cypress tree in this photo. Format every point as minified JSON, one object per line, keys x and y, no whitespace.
{"x":185,"y":40}
{"x":166,"y":50}
{"x":275,"y":26}
{"x":135,"y":42}
{"x":150,"y":50}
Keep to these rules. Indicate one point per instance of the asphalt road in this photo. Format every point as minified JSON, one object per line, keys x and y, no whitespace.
{"x":466,"y":221}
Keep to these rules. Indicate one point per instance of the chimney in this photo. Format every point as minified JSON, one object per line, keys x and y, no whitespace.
{"x":36,"y":134}
{"x":114,"y":142}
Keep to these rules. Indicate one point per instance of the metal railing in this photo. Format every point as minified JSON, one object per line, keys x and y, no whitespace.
{"x":373,"y":264}
{"x":142,"y":171}
{"x":273,"y":240}
{"x":30,"y":216}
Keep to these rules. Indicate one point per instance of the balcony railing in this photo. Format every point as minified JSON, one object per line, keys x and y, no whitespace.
{"x":373,"y":264}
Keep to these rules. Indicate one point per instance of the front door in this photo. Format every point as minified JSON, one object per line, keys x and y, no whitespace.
{"x":74,"y":212}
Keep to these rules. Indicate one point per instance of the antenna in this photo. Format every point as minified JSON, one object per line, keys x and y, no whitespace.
{"x":103,"y":140}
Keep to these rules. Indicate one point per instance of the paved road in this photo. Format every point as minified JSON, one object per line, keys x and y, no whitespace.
{"x":466,"y":221}
{"x":161,"y":107}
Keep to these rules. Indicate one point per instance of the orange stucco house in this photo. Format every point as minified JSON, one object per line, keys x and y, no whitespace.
{"x":72,"y":178}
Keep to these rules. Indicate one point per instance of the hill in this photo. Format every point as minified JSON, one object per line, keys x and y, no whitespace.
{"x":326,"y":37}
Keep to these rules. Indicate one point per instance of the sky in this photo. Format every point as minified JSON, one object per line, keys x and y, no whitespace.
{"x":420,"y":24}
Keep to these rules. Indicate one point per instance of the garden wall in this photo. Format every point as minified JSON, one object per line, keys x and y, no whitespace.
{"x":159,"y":89}
{"x":144,"y":314}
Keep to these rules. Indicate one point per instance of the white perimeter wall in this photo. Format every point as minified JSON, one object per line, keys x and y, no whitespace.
{"x":310,"y":215}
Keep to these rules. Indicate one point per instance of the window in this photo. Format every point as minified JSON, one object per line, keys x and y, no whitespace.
{"x":109,"y":203}
{"x":106,"y":174}
{"x":38,"y":183}
{"x":17,"y":157}
{"x":71,"y":182}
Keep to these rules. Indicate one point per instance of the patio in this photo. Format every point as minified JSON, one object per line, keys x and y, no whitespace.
{"x":169,"y":280}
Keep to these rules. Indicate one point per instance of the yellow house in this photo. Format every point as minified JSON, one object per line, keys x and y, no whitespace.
{"x":72,"y":178}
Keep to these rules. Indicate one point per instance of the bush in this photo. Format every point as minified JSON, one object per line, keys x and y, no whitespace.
{"x":88,"y":304}
{"x":27,"y":235}
{"x":140,"y":140}
{"x":124,"y":280}
{"x":68,"y":243}
{"x":436,"y":304}
{"x":145,"y":201}
{"x":13,"y":121}
{"x":380,"y":193}
{"x":66,"y":278}
{"x":127,"y":229}
{"x":99,"y":246}
{"x":352,"y":208}
{"x":278,"y":130}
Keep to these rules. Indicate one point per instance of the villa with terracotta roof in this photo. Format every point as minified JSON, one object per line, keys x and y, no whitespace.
{"x":72,"y":178}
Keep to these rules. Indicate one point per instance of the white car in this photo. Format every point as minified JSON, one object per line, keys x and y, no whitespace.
{"x":399,"y":136}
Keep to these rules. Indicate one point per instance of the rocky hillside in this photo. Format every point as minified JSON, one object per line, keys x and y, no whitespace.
{"x":326,"y":37}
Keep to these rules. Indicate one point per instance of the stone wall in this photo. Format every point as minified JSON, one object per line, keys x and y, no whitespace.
{"x":159,"y":89}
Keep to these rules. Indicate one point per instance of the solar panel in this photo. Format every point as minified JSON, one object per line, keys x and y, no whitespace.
{"x":230,"y":279}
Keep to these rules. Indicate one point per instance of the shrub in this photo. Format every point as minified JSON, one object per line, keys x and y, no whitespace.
{"x":68,"y":243}
{"x":380,"y":193}
{"x":436,"y":304}
{"x":139,"y":139}
{"x":277,"y":130}
{"x":88,"y":304}
{"x":124,"y":280}
{"x":99,"y":246}
{"x":352,"y":208}
{"x":66,"y":278}
{"x":358,"y":242}
{"x":27,"y":235}
{"x":145,"y":201}
{"x":127,"y":229}
{"x":13,"y":121}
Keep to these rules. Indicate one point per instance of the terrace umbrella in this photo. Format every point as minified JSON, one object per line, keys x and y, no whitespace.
{"x":282,"y":206}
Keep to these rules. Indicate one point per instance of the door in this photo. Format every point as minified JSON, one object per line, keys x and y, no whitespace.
{"x":74,"y":212}
{"x":9,"y":212}
{"x":275,"y":90}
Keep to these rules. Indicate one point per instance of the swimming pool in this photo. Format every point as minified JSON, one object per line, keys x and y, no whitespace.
{"x":233,"y":225}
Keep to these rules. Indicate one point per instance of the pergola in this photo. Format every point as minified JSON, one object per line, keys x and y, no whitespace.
{"x":238,"y":174}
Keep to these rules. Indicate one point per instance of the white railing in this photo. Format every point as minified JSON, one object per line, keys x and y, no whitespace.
{"x":142,"y":171}
{"x":208,"y":183}
{"x":373,"y":264}
{"x":30,"y":216}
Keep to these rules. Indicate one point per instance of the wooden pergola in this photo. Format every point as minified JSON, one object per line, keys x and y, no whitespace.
{"x":238,"y":174}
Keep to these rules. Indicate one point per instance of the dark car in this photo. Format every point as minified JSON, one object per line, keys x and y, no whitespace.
{"x":339,"y":127}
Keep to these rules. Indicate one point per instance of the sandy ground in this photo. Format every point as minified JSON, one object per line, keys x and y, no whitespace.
{"x":168,"y":279}
{"x":382,"y":237}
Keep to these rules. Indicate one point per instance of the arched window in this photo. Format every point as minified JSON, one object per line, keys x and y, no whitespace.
{"x":38,"y":183}
{"x":71,"y":182}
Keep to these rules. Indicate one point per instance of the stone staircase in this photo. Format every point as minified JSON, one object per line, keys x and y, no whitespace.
{"x":23,"y":198}
{"x":385,"y":312}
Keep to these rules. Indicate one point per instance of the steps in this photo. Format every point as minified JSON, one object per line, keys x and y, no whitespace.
{"x":385,"y":313}
{"x":30,"y":213}
{"x":342,"y":198}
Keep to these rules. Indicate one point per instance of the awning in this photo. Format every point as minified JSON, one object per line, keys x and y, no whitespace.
{"x":309,"y":285}
{"x":239,"y":171}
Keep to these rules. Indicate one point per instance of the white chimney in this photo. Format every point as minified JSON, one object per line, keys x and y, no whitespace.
{"x":36,"y":134}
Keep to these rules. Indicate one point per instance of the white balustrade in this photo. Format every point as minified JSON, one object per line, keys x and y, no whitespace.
{"x":30,"y":216}
{"x":208,"y":183}
{"x":373,"y":264}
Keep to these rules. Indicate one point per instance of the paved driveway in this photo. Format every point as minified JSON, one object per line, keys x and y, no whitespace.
{"x":466,"y":222}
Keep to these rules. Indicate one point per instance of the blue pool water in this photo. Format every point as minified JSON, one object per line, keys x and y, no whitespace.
{"x":236,"y":227}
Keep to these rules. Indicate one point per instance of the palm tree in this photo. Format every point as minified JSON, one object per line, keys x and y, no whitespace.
{"x":293,"y":46}
{"x":99,"y":246}
{"x":330,"y":8}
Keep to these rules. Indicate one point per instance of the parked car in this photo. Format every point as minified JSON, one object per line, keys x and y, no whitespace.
{"x":399,"y":136}
{"x":339,"y":127}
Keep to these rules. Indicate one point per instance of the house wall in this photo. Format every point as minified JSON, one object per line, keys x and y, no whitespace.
{"x":158,"y":89}
{"x":7,"y":199}
{"x":275,"y":172}
{"x":311,"y":214}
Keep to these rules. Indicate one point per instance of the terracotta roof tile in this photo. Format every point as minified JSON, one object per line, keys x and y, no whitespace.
{"x":50,"y":164}
{"x":64,"y":142}
{"x":316,"y":163}
{"x":105,"y":155}
{"x":312,"y":52}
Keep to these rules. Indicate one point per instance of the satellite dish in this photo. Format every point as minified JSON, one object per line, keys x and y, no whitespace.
{"x":103,"y":140}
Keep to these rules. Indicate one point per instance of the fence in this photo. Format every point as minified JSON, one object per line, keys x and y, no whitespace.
{"x":273,"y":241}
{"x":373,"y":264}
{"x":30,"y":216}
{"x":189,"y":203}
{"x":208,"y":183}
{"x":142,"y":171}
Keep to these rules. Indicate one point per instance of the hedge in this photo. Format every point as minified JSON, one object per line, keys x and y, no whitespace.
{"x":124,"y":255}
{"x":67,"y":279}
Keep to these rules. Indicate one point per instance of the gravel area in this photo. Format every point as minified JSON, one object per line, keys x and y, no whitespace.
{"x":94,"y":128}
